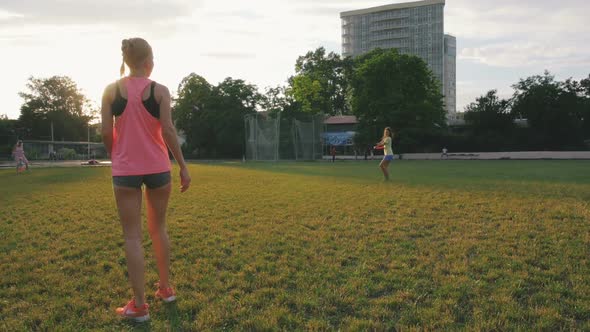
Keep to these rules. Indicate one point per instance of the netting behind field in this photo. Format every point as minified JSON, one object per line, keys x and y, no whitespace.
{"x":63,"y":150}
{"x":307,"y":138}
{"x":262,"y":137}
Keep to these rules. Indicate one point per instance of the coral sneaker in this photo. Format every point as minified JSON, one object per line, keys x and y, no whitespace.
{"x":166,"y":294}
{"x":138,"y":314}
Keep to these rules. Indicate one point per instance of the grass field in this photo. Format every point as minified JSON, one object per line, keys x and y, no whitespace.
{"x":480,"y":245}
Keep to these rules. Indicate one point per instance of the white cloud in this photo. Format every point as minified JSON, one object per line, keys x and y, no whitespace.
{"x":230,"y":55}
{"x":533,"y":54}
{"x":515,"y":22}
{"x":6,"y":15}
{"x":514,"y":39}
{"x":259,"y":41}
{"x":471,"y":90}
{"x":94,"y":12}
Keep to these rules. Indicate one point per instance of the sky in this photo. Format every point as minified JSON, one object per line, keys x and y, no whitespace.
{"x":498,"y":42}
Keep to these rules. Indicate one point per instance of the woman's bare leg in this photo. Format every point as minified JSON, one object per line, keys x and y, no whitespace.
{"x":384,"y":168}
{"x":129,"y":206}
{"x":157,"y":203}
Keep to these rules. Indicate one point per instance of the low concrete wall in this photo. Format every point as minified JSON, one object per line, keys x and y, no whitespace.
{"x":501,"y":155}
{"x":524,"y":155}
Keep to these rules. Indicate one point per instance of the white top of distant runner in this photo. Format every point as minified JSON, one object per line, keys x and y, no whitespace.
{"x":387,"y":147}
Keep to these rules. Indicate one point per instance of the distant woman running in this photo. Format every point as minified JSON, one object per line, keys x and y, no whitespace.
{"x":19,"y":155}
{"x":138,"y":143}
{"x":387,"y":151}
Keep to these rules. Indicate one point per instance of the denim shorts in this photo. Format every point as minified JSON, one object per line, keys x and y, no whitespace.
{"x":151,"y":181}
{"x":388,"y":157}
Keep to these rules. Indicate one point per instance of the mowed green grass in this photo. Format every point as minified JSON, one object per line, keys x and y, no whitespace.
{"x":478,"y":245}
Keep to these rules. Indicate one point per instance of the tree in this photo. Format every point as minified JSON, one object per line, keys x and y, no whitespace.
{"x":390,"y":89}
{"x":585,"y":87}
{"x":212,"y":117}
{"x":194,"y":92}
{"x":585,"y":84}
{"x":278,"y":100}
{"x":308,"y":92}
{"x":489,"y":113}
{"x":55,"y":100}
{"x":232,"y":100}
{"x":491,"y":122}
{"x":7,"y":134}
{"x":553,"y":110}
{"x":320,"y":84}
{"x":274,"y":100}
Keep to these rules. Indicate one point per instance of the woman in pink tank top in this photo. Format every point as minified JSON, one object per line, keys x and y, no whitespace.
{"x":19,"y":154}
{"x":137,"y":131}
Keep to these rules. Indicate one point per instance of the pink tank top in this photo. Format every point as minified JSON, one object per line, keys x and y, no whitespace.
{"x":138,"y":145}
{"x":19,"y":152}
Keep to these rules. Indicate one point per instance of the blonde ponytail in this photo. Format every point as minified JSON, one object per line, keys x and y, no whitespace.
{"x":124,"y":47}
{"x":134,"y":51}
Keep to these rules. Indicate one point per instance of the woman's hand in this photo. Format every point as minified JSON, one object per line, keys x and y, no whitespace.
{"x":185,"y":179}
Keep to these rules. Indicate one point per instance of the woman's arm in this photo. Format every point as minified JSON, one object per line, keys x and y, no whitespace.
{"x":169,"y":134}
{"x":107,"y":117}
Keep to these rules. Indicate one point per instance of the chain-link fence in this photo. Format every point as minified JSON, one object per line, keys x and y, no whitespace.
{"x":262,"y":136}
{"x":274,"y":138}
{"x":308,"y":138}
{"x":60,"y":150}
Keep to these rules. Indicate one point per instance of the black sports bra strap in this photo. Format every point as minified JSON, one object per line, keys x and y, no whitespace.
{"x":119,"y":104}
{"x":152,"y":88}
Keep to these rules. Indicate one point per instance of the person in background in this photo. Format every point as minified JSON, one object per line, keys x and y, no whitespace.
{"x":18,"y":152}
{"x":386,"y":143}
{"x":333,"y":153}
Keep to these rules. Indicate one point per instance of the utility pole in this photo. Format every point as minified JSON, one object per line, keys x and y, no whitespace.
{"x":51,"y":147}
{"x":88,"y":140}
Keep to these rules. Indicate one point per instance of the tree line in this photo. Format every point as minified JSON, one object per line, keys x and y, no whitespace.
{"x":382,"y":88}
{"x":49,"y":103}
{"x":557,"y":115}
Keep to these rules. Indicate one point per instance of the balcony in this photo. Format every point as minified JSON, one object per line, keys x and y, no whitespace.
{"x":389,"y":18}
{"x":387,"y":36}
{"x":388,"y":28}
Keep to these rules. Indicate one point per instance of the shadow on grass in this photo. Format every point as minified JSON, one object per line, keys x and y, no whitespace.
{"x":134,"y":326}
{"x":47,"y":179}
{"x":173,"y":316}
{"x":555,"y":179}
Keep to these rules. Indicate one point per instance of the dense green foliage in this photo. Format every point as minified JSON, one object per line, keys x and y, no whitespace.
{"x":557,"y":116}
{"x":54,"y":100}
{"x":320,"y":84}
{"x":212,"y":117}
{"x":555,"y":110}
{"x":397,"y":91}
{"x":382,"y":88}
{"x":8,"y":135}
{"x":491,"y":125}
